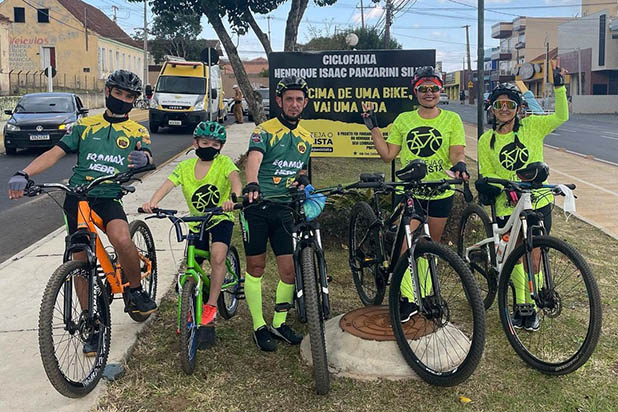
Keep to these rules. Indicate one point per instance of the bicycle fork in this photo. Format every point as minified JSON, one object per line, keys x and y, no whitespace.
{"x":316,"y":245}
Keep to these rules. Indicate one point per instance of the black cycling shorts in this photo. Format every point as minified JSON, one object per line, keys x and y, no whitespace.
{"x":545,"y":212}
{"x":107,"y":208}
{"x":439,"y":208}
{"x":269,"y":221}
{"x":221,"y":232}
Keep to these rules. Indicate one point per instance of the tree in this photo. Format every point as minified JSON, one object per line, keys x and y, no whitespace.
{"x":176,"y":31}
{"x":368,"y":39}
{"x":240,"y":15}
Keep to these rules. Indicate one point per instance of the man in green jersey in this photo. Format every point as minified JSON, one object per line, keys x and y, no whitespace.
{"x":437,"y":137}
{"x":105,"y":144}
{"x":279,"y":151}
{"x":510,"y":145}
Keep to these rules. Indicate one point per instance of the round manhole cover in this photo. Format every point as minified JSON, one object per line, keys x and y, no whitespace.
{"x":373,"y":323}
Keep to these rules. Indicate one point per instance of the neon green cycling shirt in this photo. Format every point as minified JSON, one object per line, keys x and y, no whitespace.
{"x":429,"y":140}
{"x":286,"y":151}
{"x":210,"y":191}
{"x":506,"y":157}
{"x":103,"y":145}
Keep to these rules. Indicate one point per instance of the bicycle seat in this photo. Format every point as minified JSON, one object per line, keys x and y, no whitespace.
{"x":535,"y":173}
{"x":414,"y":171}
{"x":372,"y":177}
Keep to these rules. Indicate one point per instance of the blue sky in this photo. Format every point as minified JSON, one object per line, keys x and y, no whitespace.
{"x":420,"y":24}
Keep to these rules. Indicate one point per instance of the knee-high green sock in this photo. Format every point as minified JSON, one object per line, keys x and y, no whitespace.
{"x":519,"y":279}
{"x":253,"y":295}
{"x":422,"y":266}
{"x":285,"y":294}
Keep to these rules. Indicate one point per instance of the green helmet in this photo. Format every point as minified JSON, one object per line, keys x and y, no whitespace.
{"x":211,"y":130}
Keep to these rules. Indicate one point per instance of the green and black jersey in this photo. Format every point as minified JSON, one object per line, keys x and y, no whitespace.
{"x":286,"y":151}
{"x":102,"y":145}
{"x":513,"y":151}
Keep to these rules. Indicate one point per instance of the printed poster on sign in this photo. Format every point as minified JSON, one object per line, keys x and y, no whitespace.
{"x":339,"y":83}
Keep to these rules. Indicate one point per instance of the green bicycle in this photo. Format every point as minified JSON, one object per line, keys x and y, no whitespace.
{"x":194,"y":284}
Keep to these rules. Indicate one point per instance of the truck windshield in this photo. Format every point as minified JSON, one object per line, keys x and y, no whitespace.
{"x":181,"y":85}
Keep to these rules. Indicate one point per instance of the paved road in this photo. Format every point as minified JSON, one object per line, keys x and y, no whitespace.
{"x":595,"y":135}
{"x":25,"y":221}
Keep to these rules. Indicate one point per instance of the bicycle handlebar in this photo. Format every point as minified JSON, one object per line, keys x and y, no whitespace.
{"x":33,"y":189}
{"x":507,"y":184}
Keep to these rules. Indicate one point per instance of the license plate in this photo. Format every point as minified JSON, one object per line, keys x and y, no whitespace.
{"x":175,"y":122}
{"x":39,"y":137}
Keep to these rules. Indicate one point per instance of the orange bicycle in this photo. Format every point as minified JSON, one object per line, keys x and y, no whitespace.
{"x":75,"y":306}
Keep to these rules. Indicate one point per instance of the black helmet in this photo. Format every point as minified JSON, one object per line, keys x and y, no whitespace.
{"x":126,"y":80}
{"x":506,"y":88}
{"x":291,"y":83}
{"x":414,"y":171}
{"x":535,"y":173}
{"x":426,"y":72}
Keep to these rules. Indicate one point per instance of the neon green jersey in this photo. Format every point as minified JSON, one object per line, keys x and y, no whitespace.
{"x":286,"y":152}
{"x":211,"y":191}
{"x":429,"y":140}
{"x":509,"y":154}
{"x":102,"y":149}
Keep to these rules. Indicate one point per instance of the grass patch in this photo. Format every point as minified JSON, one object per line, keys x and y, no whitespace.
{"x":236,"y":376}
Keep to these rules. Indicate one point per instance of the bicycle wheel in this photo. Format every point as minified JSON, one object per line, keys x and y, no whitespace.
{"x":445,"y":344}
{"x":188,"y":330}
{"x":315,"y":321}
{"x":569,"y":312}
{"x":144,"y":242}
{"x":364,"y":251}
{"x":227,"y":303}
{"x":475,"y":226}
{"x":64,"y":327}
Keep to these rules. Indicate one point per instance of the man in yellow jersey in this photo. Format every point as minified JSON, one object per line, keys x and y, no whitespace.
{"x":279,"y":152}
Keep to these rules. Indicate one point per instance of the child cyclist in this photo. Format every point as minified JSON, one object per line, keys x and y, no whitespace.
{"x":207,"y":181}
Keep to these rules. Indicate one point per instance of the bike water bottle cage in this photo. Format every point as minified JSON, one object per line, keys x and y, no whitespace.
{"x":535,"y":173}
{"x":414,"y":171}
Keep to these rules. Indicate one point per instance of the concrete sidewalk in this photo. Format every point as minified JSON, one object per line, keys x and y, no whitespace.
{"x":23,"y":278}
{"x":597,"y":183}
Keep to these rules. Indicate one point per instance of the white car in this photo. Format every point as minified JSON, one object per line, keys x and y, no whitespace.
{"x":443,"y":98}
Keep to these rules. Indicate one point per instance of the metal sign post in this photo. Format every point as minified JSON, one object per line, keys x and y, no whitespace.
{"x":209,"y":84}
{"x":50,"y":80}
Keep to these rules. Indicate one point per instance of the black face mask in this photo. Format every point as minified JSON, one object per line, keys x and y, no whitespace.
{"x":117,"y":106}
{"x":207,"y":153}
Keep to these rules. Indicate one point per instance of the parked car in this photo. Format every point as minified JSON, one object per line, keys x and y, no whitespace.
{"x":41,"y":119}
{"x":443,"y":98}
{"x":265,"y":93}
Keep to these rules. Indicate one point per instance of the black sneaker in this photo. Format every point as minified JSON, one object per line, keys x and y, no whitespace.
{"x":263,"y":339}
{"x":407,"y":310}
{"x":91,"y":346}
{"x":286,"y":334}
{"x":141,"y":302}
{"x":531,"y":322}
{"x":517,"y":320}
{"x":206,"y":336}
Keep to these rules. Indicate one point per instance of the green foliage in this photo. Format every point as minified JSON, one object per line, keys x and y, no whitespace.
{"x":175,"y":32}
{"x":368,"y":39}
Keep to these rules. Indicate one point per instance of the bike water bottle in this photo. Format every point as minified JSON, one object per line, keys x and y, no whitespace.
{"x":504,"y":240}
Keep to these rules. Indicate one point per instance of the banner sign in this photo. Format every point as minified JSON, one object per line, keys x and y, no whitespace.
{"x":340,"y":82}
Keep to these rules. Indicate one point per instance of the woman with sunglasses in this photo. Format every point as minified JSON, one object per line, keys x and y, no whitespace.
{"x":437,"y":137}
{"x":510,"y":145}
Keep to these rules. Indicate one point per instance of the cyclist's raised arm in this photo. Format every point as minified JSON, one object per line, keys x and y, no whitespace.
{"x":547,"y":124}
{"x":387,"y":150}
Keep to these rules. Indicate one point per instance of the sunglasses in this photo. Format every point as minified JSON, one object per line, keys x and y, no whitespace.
{"x":425,"y":89}
{"x":509,"y":104}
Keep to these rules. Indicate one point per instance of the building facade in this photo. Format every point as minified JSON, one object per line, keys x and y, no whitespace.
{"x":79,"y":41}
{"x":521,"y":41}
{"x":588,"y":49}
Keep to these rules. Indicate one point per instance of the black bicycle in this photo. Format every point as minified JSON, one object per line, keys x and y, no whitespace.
{"x":444,"y":342}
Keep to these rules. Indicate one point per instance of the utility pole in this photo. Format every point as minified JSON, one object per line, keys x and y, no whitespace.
{"x":579,"y":72}
{"x":470,"y":95}
{"x":387,"y":24}
{"x":86,"y":26}
{"x":114,"y":10}
{"x":145,"y":79}
{"x":547,"y":69}
{"x":268,"y":19}
{"x":480,"y":69}
{"x":362,"y":15}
